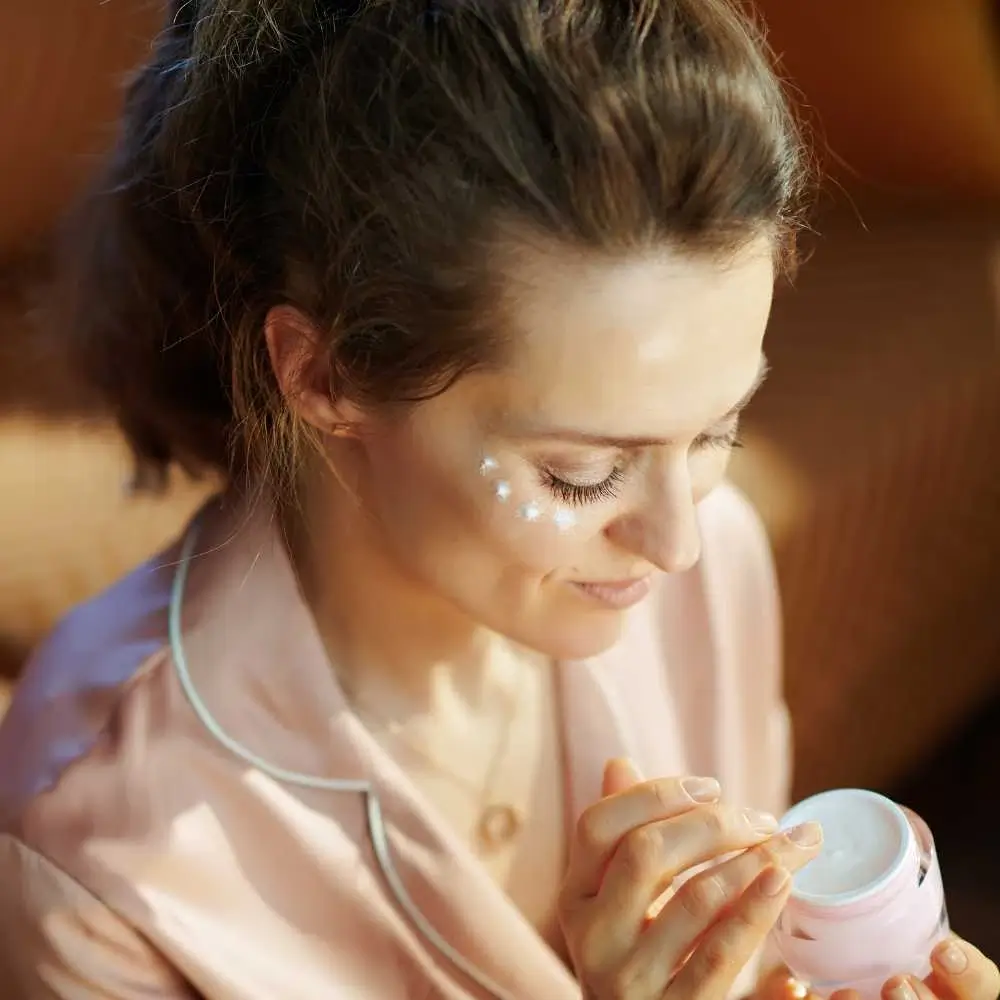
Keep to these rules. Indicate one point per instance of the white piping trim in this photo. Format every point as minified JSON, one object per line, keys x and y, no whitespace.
{"x":376,"y":825}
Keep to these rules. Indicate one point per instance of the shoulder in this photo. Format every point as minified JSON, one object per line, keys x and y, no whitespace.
{"x":703,"y":661}
{"x":744,"y":614}
{"x":739,"y":585}
{"x":736,"y":573}
{"x":734,"y":534}
{"x":718,"y":625}
{"x":74,"y":686}
{"x":78,"y":726}
{"x":725,"y":608}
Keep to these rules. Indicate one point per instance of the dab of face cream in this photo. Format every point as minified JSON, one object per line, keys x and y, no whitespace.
{"x":533,"y":511}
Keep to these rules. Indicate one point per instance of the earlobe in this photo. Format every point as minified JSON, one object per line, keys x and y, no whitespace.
{"x":300,"y":360}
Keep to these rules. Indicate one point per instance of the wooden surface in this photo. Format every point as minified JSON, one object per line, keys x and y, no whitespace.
{"x":884,"y":402}
{"x":62,"y":64}
{"x":905,"y":92}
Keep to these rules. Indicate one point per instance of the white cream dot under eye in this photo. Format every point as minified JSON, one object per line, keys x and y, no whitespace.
{"x":564,"y":519}
{"x":533,"y":511}
{"x":530,"y":511}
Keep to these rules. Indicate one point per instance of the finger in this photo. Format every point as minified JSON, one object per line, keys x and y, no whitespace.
{"x":711,"y":970}
{"x":619,"y":775}
{"x":963,"y":972}
{"x":650,"y":857}
{"x":843,"y":995}
{"x":907,"y":988}
{"x":780,"y":984}
{"x":707,"y":897}
{"x":602,"y":825}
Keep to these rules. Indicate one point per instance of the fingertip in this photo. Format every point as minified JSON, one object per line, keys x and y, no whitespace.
{"x":845,"y":995}
{"x":950,"y":958}
{"x":620,"y":773}
{"x":898,"y":988}
{"x":796,"y":989}
{"x":964,"y":970}
{"x":903,"y":988}
{"x":787,"y":987}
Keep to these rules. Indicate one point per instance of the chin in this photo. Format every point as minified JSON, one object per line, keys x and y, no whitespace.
{"x":574,"y":637}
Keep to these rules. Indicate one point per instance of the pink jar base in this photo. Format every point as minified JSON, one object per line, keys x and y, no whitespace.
{"x":889,"y":927}
{"x":869,"y":987}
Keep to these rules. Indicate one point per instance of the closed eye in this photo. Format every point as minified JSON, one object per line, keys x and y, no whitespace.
{"x":577,"y":494}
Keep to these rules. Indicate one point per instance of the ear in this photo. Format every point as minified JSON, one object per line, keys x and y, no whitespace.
{"x":301,"y":363}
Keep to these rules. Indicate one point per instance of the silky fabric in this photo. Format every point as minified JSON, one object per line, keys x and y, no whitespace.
{"x":140,"y":858}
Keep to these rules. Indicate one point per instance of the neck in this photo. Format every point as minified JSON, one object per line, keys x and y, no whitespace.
{"x":392,"y":641}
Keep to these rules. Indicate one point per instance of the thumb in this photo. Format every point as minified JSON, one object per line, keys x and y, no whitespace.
{"x":619,"y":774}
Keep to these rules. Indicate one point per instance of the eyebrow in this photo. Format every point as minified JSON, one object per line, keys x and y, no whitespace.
{"x":625,"y":443}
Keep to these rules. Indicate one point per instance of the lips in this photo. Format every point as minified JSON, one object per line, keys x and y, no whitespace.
{"x":617,"y":594}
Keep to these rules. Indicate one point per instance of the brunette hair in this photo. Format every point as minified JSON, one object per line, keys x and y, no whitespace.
{"x":359,"y":159}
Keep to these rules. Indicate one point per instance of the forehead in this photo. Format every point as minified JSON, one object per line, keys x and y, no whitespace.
{"x":649,"y":344}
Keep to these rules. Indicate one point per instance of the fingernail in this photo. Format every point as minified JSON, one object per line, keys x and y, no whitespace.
{"x":702,"y":789}
{"x":952,"y":959}
{"x":773,"y":881}
{"x":760,"y":822}
{"x":805,"y":835}
{"x":902,"y":990}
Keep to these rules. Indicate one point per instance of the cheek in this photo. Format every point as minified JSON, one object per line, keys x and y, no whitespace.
{"x":448,"y":508}
{"x":523,"y":517}
{"x":406,"y":496}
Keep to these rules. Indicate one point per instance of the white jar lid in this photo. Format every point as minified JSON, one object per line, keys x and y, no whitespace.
{"x":867,"y":844}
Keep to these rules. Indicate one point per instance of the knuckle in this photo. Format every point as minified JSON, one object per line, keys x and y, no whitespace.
{"x":589,"y":830}
{"x":716,"y":822}
{"x":642,"y":853}
{"x":702,"y":896}
{"x":714,"y":958}
{"x":666,"y":795}
{"x":744,"y":920}
{"x":769,"y":855}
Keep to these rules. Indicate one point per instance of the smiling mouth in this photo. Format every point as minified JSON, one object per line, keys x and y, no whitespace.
{"x":617,"y":594}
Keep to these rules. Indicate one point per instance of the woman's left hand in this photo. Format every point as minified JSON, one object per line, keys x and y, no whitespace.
{"x":959,"y":972}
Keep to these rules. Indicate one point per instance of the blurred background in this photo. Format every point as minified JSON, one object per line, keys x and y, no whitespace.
{"x":873,"y":451}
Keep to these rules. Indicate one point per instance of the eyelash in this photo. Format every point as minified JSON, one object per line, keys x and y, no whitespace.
{"x":577,"y":495}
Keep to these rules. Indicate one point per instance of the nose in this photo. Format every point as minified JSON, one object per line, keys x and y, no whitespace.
{"x":663,"y":530}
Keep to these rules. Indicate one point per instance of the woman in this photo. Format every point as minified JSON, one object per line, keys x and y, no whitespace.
{"x":467,"y":297}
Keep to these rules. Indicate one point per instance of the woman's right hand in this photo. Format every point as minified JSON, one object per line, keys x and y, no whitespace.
{"x":628,"y":849}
